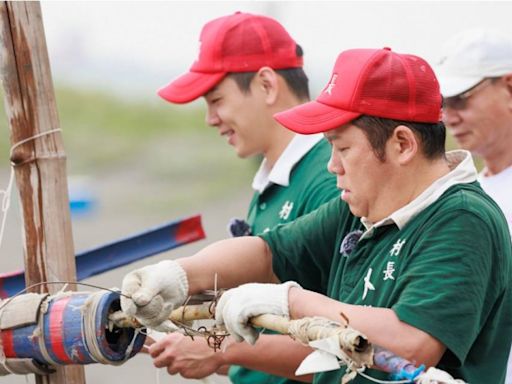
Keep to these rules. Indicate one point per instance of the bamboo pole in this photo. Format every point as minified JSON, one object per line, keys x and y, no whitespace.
{"x":40,"y":164}
{"x":356,"y":342}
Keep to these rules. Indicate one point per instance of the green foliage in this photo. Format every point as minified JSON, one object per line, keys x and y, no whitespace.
{"x":101,"y":130}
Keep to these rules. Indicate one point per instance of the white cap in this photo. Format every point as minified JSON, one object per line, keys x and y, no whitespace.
{"x":470,"y":56}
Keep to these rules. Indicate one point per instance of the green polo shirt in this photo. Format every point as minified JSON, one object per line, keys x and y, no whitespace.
{"x":443,"y":265}
{"x":309,"y":185}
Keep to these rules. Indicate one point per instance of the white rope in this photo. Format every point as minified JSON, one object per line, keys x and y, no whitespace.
{"x":382,"y":381}
{"x":6,"y":193}
{"x":37,"y":136}
{"x":89,"y":311}
{"x":129,"y":349}
{"x":6,"y":203}
{"x":432,"y":376}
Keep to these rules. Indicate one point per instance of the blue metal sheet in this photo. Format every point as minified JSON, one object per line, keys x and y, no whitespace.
{"x":121,"y":252}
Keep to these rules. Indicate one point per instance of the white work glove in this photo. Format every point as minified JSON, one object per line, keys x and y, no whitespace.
{"x":151,"y":293}
{"x":238,"y":305}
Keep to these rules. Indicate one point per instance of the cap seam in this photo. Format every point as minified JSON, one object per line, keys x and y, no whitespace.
{"x":362,"y":74}
{"x":267,"y":48}
{"x":411,"y":83}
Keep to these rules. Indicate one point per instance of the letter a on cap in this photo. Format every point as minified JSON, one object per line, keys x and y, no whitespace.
{"x":331,"y":84}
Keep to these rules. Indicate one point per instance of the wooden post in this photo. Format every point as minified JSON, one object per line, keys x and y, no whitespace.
{"x":39,"y":163}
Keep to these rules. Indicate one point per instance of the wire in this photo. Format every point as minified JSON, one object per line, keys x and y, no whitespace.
{"x":7,"y":301}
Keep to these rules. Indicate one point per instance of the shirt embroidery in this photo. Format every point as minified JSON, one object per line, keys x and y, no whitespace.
{"x":388,"y":272}
{"x":397,"y":247}
{"x":368,"y":286}
{"x":286,"y":209}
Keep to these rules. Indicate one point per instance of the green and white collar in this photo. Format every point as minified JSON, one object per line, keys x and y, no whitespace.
{"x":279,"y":174}
{"x":462,"y":171}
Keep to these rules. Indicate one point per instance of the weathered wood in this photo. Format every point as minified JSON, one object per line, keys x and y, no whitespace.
{"x":40,"y":164}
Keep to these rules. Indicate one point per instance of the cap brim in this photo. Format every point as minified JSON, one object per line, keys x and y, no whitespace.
{"x":314,"y":117}
{"x":455,"y":85}
{"x":190,"y":86}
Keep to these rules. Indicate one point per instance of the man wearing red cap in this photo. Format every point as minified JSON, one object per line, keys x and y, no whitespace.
{"x":416,"y":256}
{"x":248,"y":69}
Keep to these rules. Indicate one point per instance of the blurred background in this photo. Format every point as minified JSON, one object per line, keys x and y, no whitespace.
{"x":138,"y":161}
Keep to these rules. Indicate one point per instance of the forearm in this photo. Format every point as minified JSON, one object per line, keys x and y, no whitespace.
{"x":275,"y":354}
{"x":234,"y":261}
{"x":380,"y":325}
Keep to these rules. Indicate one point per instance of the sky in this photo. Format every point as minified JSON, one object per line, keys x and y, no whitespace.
{"x":135,"y":47}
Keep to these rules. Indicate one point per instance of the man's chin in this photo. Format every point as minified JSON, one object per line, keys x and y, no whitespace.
{"x":244,"y":154}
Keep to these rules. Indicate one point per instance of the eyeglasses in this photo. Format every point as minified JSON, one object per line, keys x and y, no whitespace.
{"x":460,"y":102}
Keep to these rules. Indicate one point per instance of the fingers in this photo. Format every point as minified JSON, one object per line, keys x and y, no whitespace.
{"x":147,"y":344}
{"x":149,"y":341}
{"x":166,"y":326}
{"x":235,"y":322}
{"x":144,"y":295}
{"x":240,"y":331}
{"x":140,"y":288}
{"x":219,"y":308}
{"x":128,"y":306}
{"x":163,"y":351}
{"x":144,"y":350}
{"x":131,"y":284}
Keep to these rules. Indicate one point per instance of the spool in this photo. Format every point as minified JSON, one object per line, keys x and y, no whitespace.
{"x":73,"y":328}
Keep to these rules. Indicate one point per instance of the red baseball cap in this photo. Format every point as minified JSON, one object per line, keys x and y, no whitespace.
{"x":241,"y":42}
{"x":374,"y":82}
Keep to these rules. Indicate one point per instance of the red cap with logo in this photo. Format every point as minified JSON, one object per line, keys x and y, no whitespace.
{"x":374,"y":82}
{"x":241,"y":42}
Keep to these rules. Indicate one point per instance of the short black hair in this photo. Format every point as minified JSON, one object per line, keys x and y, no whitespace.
{"x":432,"y":136}
{"x":295,"y":79}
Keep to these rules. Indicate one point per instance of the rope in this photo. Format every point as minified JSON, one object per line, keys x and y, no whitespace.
{"x":6,"y":193}
{"x":382,"y":381}
{"x":88,"y":324}
{"x":88,"y":330}
{"x":315,"y":328}
{"x":6,"y":203}
{"x":40,"y":330}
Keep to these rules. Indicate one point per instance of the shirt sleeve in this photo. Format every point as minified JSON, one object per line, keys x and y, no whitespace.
{"x":302,"y":250}
{"x":451,"y":281}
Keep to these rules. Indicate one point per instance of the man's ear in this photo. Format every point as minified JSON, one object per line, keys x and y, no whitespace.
{"x":267,"y":81}
{"x":507,"y":80}
{"x":403,"y":144}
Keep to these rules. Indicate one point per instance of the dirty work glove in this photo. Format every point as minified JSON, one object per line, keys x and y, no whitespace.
{"x":238,"y":305}
{"x":153,"y":292}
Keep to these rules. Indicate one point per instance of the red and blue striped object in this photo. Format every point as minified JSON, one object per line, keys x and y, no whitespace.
{"x":74,"y":330}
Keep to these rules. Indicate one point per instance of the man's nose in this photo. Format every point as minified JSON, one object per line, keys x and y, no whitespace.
{"x":334,"y":166}
{"x":451,"y":117}
{"x":212,"y":118}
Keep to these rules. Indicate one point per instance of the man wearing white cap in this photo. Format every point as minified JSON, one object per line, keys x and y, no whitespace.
{"x":414,"y":254}
{"x":475,"y":74}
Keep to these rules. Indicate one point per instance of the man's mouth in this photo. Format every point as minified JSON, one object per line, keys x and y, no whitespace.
{"x":460,"y":135}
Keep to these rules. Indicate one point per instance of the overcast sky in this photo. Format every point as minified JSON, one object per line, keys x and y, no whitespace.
{"x":136,"y":47}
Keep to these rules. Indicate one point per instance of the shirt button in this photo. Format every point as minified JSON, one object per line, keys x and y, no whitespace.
{"x":263,"y":206}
